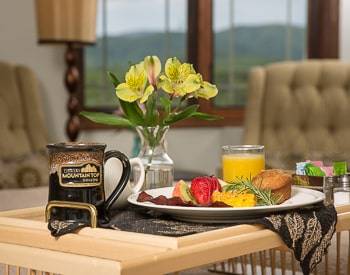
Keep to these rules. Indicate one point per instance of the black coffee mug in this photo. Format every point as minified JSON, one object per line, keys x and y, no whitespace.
{"x":76,"y":185}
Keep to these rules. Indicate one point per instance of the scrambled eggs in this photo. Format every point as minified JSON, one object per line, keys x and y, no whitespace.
{"x":234,"y":199}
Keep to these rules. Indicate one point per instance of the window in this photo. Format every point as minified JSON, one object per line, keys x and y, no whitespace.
{"x":244,"y":37}
{"x":127,"y":31}
{"x":224,"y":39}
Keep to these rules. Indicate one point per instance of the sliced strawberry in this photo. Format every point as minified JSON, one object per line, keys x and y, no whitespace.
{"x":216,"y":186}
{"x":203,"y":187}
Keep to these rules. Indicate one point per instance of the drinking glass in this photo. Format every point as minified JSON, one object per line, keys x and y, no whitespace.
{"x":242,"y":161}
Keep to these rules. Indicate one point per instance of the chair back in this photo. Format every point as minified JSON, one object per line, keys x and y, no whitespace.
{"x":300,"y":110}
{"x":22,"y":128}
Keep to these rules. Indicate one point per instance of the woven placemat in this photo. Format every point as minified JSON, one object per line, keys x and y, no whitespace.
{"x":139,"y":220}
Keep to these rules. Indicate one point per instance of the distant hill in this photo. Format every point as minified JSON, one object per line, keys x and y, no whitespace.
{"x":266,"y":42}
{"x":253,"y":45}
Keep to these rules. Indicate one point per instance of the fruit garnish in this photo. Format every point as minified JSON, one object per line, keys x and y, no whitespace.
{"x":182,"y":191}
{"x":235,"y":199}
{"x":203,"y":187}
{"x":176,"y":190}
{"x":222,"y":182}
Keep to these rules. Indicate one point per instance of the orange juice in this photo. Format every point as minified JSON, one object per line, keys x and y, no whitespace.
{"x":246,"y":166}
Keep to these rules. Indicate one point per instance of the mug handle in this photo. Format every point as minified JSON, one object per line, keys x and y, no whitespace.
{"x":137,"y":187}
{"x":124,"y":179}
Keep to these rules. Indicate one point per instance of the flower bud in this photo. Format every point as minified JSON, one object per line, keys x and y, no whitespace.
{"x":152,"y":67}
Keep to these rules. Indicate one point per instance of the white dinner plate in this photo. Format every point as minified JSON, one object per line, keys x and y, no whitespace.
{"x":300,"y":197}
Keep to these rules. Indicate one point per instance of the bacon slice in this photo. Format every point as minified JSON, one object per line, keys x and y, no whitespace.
{"x":219,"y":204}
{"x":173,"y":201}
{"x":143,"y":197}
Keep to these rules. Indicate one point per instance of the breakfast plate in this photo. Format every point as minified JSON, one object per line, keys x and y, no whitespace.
{"x":300,"y":197}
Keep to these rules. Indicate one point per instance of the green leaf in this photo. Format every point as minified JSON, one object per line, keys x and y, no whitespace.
{"x":107,"y":119}
{"x":133,"y":112}
{"x":166,"y":103}
{"x":151,"y":110}
{"x":113,"y":78}
{"x":186,"y":113}
{"x":205,"y":116}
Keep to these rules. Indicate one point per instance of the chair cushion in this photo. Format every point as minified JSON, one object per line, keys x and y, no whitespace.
{"x":22,"y":127}
{"x":26,"y":171}
{"x":31,"y":104}
{"x":14,"y":140}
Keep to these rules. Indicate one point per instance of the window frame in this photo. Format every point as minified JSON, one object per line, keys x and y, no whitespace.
{"x":322,"y":42}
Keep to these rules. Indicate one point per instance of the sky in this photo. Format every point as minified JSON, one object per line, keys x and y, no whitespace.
{"x":135,"y":16}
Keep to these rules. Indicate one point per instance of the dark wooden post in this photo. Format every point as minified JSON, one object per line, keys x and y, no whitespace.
{"x":323,"y":29}
{"x":72,"y":81}
{"x":200,"y":36}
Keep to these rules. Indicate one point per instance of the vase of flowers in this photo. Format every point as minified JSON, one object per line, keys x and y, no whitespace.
{"x":151,"y":101}
{"x":159,"y":167}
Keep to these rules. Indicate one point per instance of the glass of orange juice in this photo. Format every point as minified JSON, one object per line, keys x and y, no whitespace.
{"x":242,"y":161}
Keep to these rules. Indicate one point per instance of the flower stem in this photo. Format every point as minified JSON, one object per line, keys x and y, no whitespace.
{"x":153,"y":142}
{"x":181,"y":101}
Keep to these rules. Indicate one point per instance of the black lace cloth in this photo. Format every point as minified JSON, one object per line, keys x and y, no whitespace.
{"x":60,"y":228}
{"x":307,"y":231}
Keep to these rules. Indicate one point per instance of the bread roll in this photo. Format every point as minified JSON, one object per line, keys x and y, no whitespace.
{"x":279,"y":181}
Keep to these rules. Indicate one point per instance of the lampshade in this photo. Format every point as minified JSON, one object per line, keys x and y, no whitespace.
{"x":66,"y":21}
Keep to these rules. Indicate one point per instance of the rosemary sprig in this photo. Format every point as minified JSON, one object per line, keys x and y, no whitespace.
{"x":264,"y":196}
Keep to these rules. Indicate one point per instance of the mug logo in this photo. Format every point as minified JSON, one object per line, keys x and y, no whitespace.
{"x":85,"y":175}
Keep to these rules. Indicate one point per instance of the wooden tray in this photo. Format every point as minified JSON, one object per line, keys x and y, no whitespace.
{"x":26,"y":242}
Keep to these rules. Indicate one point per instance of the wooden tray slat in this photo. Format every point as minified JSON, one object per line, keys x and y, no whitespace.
{"x":76,"y":244}
{"x":55,"y":262}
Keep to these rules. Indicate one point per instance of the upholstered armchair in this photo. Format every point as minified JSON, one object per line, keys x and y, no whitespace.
{"x":300,"y":110}
{"x":23,"y":135}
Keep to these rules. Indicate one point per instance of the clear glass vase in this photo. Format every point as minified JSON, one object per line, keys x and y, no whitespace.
{"x":159,"y":167}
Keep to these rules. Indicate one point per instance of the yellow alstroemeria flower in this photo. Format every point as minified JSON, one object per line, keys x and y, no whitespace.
{"x":206,"y":90}
{"x":134,"y":87}
{"x":179,"y":79}
{"x":153,"y":67}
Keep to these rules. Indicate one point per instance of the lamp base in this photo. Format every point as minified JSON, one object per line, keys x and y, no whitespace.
{"x":72,"y":81}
